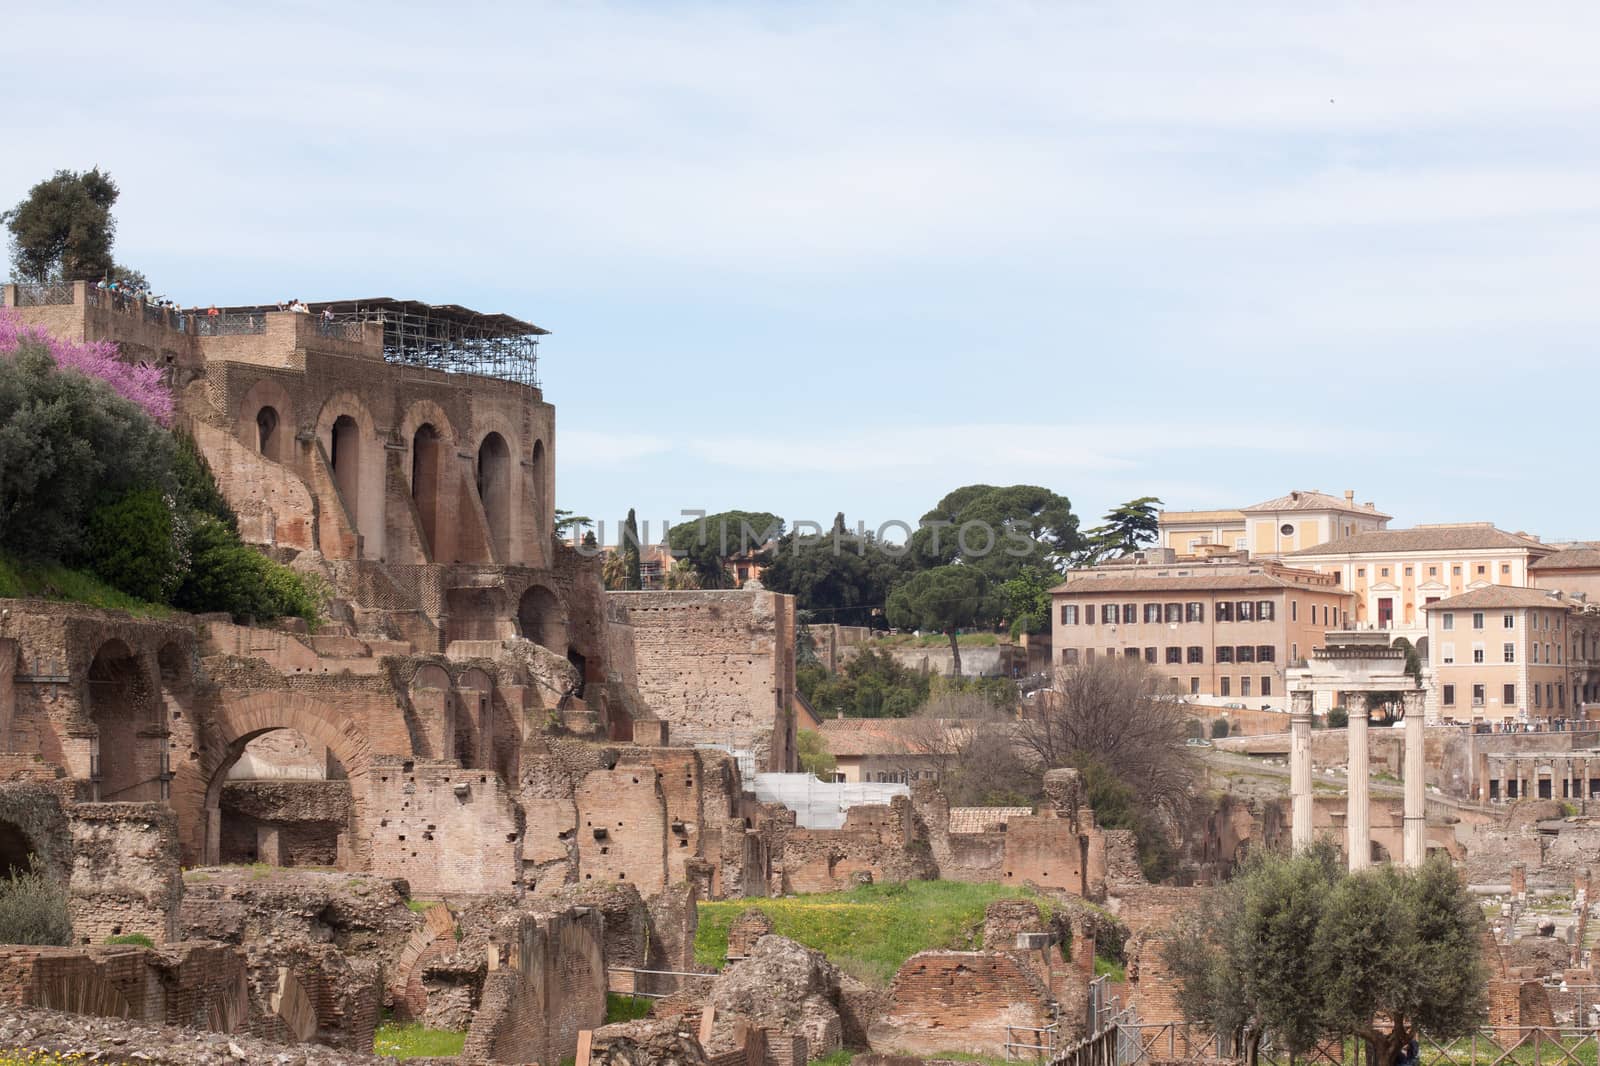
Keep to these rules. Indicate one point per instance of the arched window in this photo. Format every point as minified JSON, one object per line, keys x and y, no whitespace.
{"x":267,"y":432}
{"x":494,"y":489}
{"x":541,"y":521}
{"x":425,"y":481}
{"x":345,"y":455}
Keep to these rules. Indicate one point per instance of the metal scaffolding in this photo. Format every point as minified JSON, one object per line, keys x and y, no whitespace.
{"x":446,"y":337}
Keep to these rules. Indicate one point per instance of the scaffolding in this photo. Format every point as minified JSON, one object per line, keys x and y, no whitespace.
{"x":445,"y":337}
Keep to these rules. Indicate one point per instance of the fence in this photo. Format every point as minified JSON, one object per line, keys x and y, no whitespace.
{"x":230,"y":325}
{"x":1139,"y":1044}
{"x":44,"y":294}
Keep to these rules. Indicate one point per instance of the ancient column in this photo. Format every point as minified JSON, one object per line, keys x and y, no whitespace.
{"x":1300,"y":768}
{"x":1358,"y":813}
{"x":1415,"y":839}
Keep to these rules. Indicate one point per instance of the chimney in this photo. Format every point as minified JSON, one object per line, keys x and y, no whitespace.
{"x":1369,"y":505}
{"x":1295,"y":495}
{"x":1349,"y":495}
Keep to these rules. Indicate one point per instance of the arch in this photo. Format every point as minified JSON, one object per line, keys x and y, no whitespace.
{"x":344,"y":455}
{"x":237,"y":722}
{"x":475,"y":720}
{"x":543,"y":618}
{"x":265,"y":421}
{"x":541,"y":520}
{"x":431,"y":701}
{"x":494,"y":490}
{"x":427,"y":453}
{"x":125,"y":762}
{"x":16,"y":849}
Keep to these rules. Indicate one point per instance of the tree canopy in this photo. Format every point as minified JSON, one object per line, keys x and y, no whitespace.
{"x":943,"y":600}
{"x":1297,"y":949}
{"x":1127,"y":528}
{"x":834,"y":577}
{"x":63,"y":229}
{"x":706,"y":545}
{"x":998,"y":530}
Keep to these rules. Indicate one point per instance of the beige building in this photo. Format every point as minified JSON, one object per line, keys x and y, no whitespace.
{"x":1272,"y":528}
{"x":891,"y":750}
{"x":1573,"y":570}
{"x":1395,"y":573}
{"x":1503,"y":654}
{"x":1223,"y":631}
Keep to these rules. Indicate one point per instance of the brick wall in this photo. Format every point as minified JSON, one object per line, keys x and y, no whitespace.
{"x":444,"y":829}
{"x":960,"y":1001}
{"x":622,"y":827}
{"x":554,"y":986}
{"x":198,"y":985}
{"x":125,"y":875}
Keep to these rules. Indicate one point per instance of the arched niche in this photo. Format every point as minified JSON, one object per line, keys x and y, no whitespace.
{"x":427,"y":454}
{"x":543,"y":618}
{"x":126,"y":764}
{"x":494,"y":490}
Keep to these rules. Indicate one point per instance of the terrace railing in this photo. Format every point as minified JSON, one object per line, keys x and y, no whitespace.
{"x":230,"y":325}
{"x":44,"y":294}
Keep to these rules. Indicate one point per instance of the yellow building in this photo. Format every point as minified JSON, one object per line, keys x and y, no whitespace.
{"x":1272,"y":528}
{"x":1501,"y":654}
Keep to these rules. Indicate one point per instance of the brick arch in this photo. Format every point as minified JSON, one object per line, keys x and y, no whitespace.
{"x":237,"y":722}
{"x":267,"y":393}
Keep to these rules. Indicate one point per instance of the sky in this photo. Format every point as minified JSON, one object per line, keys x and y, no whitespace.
{"x":806,"y":258}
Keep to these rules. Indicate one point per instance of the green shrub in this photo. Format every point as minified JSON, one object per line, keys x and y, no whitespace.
{"x":132,"y":938}
{"x":133,"y":546}
{"x":226,"y":575}
{"x":625,"y":1008}
{"x":33,"y":909}
{"x":1338,"y":718}
{"x":197,"y":488}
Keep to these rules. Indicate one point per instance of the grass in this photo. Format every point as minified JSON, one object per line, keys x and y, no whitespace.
{"x":420,"y":905}
{"x":132,"y":938}
{"x":842,"y":1057}
{"x":52,"y":581}
{"x":414,"y":1042}
{"x":1110,"y":968}
{"x":869,"y":931}
{"x":929,"y":640}
{"x":625,"y":1008}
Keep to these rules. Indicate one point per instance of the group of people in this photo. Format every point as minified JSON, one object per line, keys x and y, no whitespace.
{"x":134,"y":291}
{"x":299,"y":307}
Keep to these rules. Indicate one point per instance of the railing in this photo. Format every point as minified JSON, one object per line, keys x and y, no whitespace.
{"x":230,"y":325}
{"x":342,"y":327}
{"x":44,"y":294}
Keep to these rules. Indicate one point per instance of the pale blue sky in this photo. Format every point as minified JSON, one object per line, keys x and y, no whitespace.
{"x":805,"y":258}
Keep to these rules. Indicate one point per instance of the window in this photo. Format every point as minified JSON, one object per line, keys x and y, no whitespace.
{"x":1294,"y":610}
{"x":1266,"y":686}
{"x":1447,"y":620}
{"x":1150,"y":655}
{"x":1108,"y":614}
{"x":1455,"y":571}
{"x":1197,"y":654}
{"x":1069,"y":614}
{"x":1129,"y":653}
{"x":1223,"y":690}
{"x":1477,"y":653}
{"x":1482,"y":569}
{"x":1174,"y":656}
{"x":1408,"y":571}
{"x":1433,"y":571}
{"x":1130,"y":613}
{"x":1245,"y":611}
{"x":1152,"y":613}
{"x":1477,"y":695}
{"x":1361,"y":571}
{"x":1449,"y":695}
{"x":1287,"y":530}
{"x":1244,"y":653}
{"x":1509,"y":651}
{"x":1224,"y":611}
{"x":1265,"y":610}
{"x":1510,"y":696}
{"x":1069,"y":656}
{"x":1294,"y":651}
{"x":1505,"y":568}
{"x":1533,"y":653}
{"x":1174,"y":612}
{"x":1447,"y":654}
{"x":1089,"y":654}
{"x":1194,"y":686}
{"x":1244,"y":686}
{"x":1224,"y":653}
{"x":1194,"y":611}
{"x":1508,"y":621}
{"x":1477,"y":619}
{"x":1384,"y":572}
{"x":1536,"y":700}
{"x":1266,"y":653}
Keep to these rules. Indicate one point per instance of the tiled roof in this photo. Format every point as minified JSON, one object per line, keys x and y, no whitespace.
{"x":1154,"y":582}
{"x":1184,"y":517}
{"x":979,"y":819}
{"x":1495,"y":597}
{"x":1301,"y":500}
{"x":881,"y":736}
{"x":1423,"y":538}
{"x":1580,"y":557}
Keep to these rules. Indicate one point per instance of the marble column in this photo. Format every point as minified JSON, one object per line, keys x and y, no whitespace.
{"x":1300,"y":767}
{"x":1358,"y":812}
{"x":1415,"y":839}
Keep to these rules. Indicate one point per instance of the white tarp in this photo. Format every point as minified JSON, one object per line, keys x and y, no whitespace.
{"x":818,"y":804}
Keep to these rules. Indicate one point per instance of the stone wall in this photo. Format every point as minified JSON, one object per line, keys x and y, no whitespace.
{"x":719,"y":667}
{"x":960,"y":1001}
{"x":125,"y":876}
{"x":554,"y":984}
{"x":444,"y":829}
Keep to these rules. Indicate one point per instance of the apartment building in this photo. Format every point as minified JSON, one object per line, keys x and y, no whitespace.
{"x":1507,"y":654}
{"x":1272,"y":528}
{"x":1224,"y":631}
{"x":1395,"y":574}
{"x":1574,"y":570}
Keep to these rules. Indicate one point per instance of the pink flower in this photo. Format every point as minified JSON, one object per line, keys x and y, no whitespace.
{"x":95,"y":359}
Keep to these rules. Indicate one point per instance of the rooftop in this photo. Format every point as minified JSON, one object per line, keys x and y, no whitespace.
{"x":886,"y":736}
{"x":1464,"y":536}
{"x":1576,"y":557}
{"x":1174,"y":517}
{"x":1499,"y":597}
{"x":1193,"y":577}
{"x":1313,"y":500}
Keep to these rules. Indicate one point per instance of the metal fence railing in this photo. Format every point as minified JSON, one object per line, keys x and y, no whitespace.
{"x":230,"y":325}
{"x":44,"y":294}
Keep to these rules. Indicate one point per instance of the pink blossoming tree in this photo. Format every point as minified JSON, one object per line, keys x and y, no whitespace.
{"x":96,"y":359}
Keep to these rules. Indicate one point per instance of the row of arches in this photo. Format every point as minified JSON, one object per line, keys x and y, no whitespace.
{"x":513,"y":514}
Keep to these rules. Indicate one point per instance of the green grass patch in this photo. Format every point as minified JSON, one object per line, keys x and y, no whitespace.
{"x":420,"y":905}
{"x":52,"y":581}
{"x":132,"y":938}
{"x":621,"y":1007}
{"x":415,"y":1042}
{"x":842,"y":1057}
{"x":1111,"y":968}
{"x":871,"y":929}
